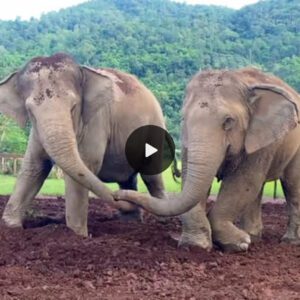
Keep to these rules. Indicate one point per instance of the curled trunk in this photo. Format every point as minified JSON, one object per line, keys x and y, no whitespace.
{"x":59,"y":141}
{"x":201,"y":164}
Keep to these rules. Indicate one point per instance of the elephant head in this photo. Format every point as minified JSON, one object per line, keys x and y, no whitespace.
{"x":59,"y":97}
{"x":226,"y":114}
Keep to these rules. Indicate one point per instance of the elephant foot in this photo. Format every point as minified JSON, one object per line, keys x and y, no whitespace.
{"x":254,"y":230}
{"x":196,"y":229}
{"x":79,"y":230}
{"x":12,"y":218}
{"x":292,"y":236}
{"x":12,"y":222}
{"x":134,"y":215}
{"x":200,"y":240}
{"x":230,"y":238}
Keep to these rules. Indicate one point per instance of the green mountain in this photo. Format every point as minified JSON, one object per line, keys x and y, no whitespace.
{"x":162,"y":42}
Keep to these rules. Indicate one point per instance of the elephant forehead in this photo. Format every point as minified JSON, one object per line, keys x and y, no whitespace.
{"x":55,"y":62}
{"x":47,"y":93}
{"x":206,"y":98}
{"x":46,"y":84}
{"x":38,"y":66}
{"x":217,"y":82}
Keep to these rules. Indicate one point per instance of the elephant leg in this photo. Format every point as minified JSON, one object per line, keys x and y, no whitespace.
{"x":155,"y":185}
{"x":291,"y":187}
{"x":135,"y":214}
{"x":77,"y":196}
{"x":196,"y":229}
{"x":251,"y":220}
{"x":35,"y":168}
{"x":238,"y":193}
{"x":77,"y":200}
{"x":130,"y":184}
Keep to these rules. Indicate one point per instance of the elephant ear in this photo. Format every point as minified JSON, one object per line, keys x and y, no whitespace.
{"x":274,"y":114}
{"x":98,"y":90}
{"x":11,"y":103}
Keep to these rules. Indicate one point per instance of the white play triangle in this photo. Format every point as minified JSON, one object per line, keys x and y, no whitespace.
{"x":149,"y":150}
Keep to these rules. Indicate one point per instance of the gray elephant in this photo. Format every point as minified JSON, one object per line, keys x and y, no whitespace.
{"x":81,"y":119}
{"x":241,"y":126}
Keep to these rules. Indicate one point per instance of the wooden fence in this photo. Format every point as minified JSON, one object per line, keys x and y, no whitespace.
{"x":10,"y":164}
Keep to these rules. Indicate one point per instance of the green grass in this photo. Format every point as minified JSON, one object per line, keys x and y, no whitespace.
{"x":55,"y":187}
{"x":51,"y":187}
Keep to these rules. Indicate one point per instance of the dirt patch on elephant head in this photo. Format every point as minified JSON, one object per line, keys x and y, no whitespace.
{"x":126,"y":82}
{"x":41,"y":76}
{"x":214,"y":83}
{"x":251,"y":75}
{"x":56,"y":62}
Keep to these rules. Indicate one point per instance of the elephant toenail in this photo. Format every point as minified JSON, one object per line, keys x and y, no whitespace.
{"x":244,"y":246}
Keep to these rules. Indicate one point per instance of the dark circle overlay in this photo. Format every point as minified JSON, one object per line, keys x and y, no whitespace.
{"x":156,"y":137}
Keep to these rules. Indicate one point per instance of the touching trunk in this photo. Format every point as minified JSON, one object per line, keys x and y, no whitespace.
{"x":59,"y":141}
{"x":202,"y":163}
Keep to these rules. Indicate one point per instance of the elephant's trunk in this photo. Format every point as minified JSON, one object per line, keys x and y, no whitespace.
{"x":58,"y":139}
{"x":200,"y":167}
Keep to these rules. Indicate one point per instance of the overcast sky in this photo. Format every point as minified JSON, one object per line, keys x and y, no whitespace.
{"x":230,"y":3}
{"x":34,"y":8}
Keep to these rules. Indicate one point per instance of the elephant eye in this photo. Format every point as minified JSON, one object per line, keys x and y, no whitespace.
{"x":228,"y":123}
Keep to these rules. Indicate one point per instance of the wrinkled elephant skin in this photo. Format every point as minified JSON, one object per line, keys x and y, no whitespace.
{"x":81,"y":119}
{"x":241,"y":126}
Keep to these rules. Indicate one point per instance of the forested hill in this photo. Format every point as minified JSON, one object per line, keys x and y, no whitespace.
{"x":160,"y":41}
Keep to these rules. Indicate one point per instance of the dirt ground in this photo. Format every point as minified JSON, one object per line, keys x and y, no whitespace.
{"x":139,"y":261}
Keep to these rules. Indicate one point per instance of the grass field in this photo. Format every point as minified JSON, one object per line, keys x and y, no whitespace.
{"x":55,"y":187}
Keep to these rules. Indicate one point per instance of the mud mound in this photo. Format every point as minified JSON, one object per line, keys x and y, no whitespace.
{"x":139,"y":261}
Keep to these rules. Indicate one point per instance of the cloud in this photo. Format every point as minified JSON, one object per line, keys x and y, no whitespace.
{"x":32,"y":8}
{"x":230,"y":3}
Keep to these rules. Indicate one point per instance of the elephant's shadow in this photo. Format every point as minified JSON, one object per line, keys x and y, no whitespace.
{"x":41,"y":221}
{"x":102,"y":219}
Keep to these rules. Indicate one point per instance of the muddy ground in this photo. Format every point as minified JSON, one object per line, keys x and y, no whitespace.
{"x":139,"y":261}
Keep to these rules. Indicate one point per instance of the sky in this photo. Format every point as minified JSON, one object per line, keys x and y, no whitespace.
{"x":230,"y":3}
{"x":34,"y":8}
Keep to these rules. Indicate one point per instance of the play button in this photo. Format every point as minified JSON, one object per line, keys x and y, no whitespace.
{"x":150,"y":150}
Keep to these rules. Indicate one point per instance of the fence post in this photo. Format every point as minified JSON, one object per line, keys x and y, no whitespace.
{"x":8,"y":160}
{"x":15,"y":166}
{"x":275,"y":190}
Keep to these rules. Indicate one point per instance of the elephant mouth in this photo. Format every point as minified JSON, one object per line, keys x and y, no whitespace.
{"x":230,"y":163}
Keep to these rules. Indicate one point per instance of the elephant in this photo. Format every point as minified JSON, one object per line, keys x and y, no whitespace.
{"x":81,"y":118}
{"x":240,"y":126}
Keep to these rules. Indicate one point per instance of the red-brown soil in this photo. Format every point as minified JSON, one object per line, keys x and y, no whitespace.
{"x":139,"y":261}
